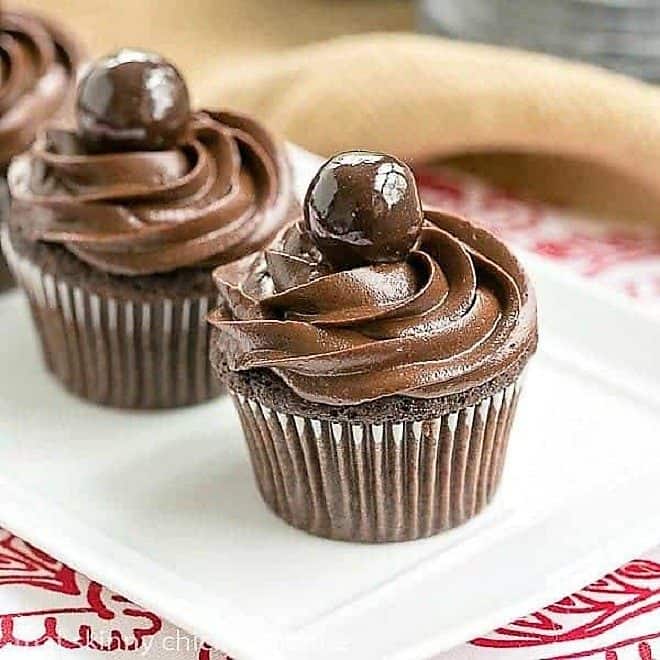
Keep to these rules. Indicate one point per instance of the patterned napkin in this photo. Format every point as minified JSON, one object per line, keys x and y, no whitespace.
{"x":613,"y":254}
{"x":49,"y":611}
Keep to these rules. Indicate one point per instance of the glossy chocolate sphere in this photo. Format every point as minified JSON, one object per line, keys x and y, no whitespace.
{"x":363,"y":208}
{"x":132,"y":101}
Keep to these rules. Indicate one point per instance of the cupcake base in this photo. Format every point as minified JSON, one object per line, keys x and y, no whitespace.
{"x":6,"y":279}
{"x":379,"y":482}
{"x":113,"y":345}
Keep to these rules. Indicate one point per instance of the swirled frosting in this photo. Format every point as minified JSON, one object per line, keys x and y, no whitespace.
{"x":39,"y":64}
{"x":221,"y":193}
{"x":454,"y":314}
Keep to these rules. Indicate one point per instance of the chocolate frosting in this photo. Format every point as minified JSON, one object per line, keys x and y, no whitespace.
{"x":223,"y":192}
{"x":453,"y":315}
{"x":39,"y":63}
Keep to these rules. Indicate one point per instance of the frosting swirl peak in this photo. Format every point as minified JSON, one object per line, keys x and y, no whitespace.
{"x":137,"y":202}
{"x":453,"y":313}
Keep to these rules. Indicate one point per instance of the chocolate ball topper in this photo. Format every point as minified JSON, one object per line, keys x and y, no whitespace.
{"x":363,"y":208}
{"x":132,"y":101}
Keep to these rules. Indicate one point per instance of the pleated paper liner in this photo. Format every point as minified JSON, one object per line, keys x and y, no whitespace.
{"x":117,"y":352}
{"x":379,"y":482}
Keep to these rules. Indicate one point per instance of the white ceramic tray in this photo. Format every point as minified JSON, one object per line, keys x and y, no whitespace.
{"x":100,"y":490}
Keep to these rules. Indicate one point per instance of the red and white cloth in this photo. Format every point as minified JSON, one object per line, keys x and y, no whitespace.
{"x":620,"y":257}
{"x":49,"y":611}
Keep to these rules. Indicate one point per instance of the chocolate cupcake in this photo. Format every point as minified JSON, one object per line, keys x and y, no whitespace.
{"x":116,"y":228}
{"x":39,"y":63}
{"x":374,"y":354}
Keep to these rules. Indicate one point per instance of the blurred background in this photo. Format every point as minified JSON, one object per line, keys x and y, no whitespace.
{"x":336,"y":74}
{"x":204,"y":35}
{"x":621,"y":34}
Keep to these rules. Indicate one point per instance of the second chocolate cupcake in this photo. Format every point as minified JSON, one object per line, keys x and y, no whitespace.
{"x":117,"y":225}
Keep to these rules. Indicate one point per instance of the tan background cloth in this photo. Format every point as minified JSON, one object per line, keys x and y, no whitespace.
{"x":559,"y":131}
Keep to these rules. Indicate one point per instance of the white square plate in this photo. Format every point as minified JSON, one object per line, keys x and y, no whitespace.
{"x":101,"y":489}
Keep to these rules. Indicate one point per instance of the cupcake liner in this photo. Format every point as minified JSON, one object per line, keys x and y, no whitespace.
{"x":117,"y":352}
{"x":379,"y":482}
